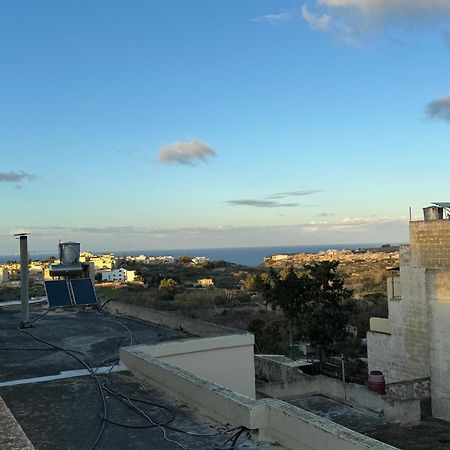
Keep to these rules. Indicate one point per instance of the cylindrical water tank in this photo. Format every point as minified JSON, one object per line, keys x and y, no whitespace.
{"x":433,"y":213}
{"x":69,"y":252}
{"x":376,"y":382}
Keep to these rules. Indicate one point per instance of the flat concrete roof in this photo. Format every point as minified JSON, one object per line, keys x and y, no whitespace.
{"x":61,"y":411}
{"x":62,"y":414}
{"x":353,"y":418}
{"x":430,"y":434}
{"x":97,"y":335}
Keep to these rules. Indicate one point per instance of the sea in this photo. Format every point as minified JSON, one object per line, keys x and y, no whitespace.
{"x":246,"y":256}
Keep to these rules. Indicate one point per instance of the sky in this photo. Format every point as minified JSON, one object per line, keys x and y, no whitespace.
{"x":224,"y":123}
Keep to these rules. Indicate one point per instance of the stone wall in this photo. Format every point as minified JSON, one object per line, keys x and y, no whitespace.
{"x":406,"y":411}
{"x":430,"y":241}
{"x":438,"y":299}
{"x":171,"y":320}
{"x":225,"y":360}
{"x":378,"y":345}
{"x":275,"y":371}
{"x":407,"y":390}
{"x":409,"y":351}
{"x":275,"y":420}
{"x":420,"y":321}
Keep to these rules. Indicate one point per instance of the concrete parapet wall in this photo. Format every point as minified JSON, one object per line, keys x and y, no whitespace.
{"x":408,"y":390}
{"x":226,"y":360}
{"x":170,"y":320}
{"x":275,"y":371}
{"x":12,"y":436}
{"x":406,"y":412}
{"x":380,"y":325}
{"x":288,"y":425}
{"x":298,"y":429}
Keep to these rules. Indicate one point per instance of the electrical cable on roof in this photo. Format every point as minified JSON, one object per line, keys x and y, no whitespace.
{"x":233,"y":439}
{"x":40,"y":349}
{"x":40,"y":317}
{"x":128,"y":401}
{"x":170,"y":427}
{"x":102,"y":400}
{"x":159,"y":426}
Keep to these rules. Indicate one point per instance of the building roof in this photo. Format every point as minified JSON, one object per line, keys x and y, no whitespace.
{"x":55,"y":400}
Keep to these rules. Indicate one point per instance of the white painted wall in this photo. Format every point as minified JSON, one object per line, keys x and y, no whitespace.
{"x":121,"y":274}
{"x":224,"y":360}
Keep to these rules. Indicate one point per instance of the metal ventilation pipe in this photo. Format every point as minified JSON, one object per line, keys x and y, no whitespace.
{"x":24,"y":294}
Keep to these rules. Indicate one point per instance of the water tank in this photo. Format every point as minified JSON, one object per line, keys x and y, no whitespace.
{"x":433,"y":213}
{"x":376,"y":382}
{"x":69,"y":252}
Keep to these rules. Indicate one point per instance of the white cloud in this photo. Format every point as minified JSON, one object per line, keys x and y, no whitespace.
{"x":272,"y":201}
{"x":386,"y":6}
{"x":14,"y":177}
{"x":260,"y":203}
{"x":439,"y":109}
{"x":119,"y":238}
{"x":185,"y":153}
{"x":350,"y":18}
{"x":274,"y":19}
{"x":316,"y":21}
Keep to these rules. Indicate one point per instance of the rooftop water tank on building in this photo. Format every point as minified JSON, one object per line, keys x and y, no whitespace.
{"x":69,"y":252}
{"x":433,"y":213}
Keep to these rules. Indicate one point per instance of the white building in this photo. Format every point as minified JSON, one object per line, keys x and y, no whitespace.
{"x":166,"y":259}
{"x":199,"y":260}
{"x":122,"y":275}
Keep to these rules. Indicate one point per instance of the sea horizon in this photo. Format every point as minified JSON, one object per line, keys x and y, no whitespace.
{"x":246,"y":256}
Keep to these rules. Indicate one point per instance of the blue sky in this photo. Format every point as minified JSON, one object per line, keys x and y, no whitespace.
{"x":177,"y":124}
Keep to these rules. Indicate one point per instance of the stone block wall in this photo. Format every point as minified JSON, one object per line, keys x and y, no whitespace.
{"x":438,"y":300}
{"x":409,"y":342}
{"x":430,"y":243}
{"x":407,"y":390}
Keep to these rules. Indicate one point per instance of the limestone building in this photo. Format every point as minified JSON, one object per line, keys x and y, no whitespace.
{"x":414,"y":342}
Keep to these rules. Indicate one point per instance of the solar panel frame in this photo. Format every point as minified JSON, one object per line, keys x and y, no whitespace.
{"x":58,"y":294}
{"x":83,"y":292}
{"x":442,"y":204}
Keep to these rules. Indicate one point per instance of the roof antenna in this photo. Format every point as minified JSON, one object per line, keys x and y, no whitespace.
{"x":24,"y":295}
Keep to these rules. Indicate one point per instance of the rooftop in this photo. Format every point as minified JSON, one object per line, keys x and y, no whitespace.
{"x":56,"y":401}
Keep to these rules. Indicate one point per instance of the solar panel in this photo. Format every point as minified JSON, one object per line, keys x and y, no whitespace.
{"x":442,"y":204}
{"x":58,"y":294}
{"x":83,"y":291}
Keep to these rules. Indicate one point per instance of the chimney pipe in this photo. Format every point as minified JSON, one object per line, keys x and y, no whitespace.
{"x":24,"y":295}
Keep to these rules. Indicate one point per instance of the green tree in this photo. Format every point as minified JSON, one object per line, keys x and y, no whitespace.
{"x":253,"y":283}
{"x":315,"y":299}
{"x":267,"y":336}
{"x":186,"y":260}
{"x":168,"y":285}
{"x":324,"y":311}
{"x":286,"y":294}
